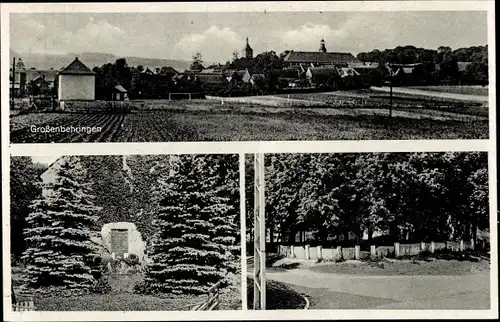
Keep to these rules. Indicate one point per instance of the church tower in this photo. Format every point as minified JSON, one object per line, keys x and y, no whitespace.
{"x":248,"y":51}
{"x":322,"y":47}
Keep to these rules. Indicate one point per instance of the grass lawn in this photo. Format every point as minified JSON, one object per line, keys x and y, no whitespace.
{"x":113,"y":302}
{"x":402,"y":267}
{"x":322,"y":298}
{"x":122,"y":298}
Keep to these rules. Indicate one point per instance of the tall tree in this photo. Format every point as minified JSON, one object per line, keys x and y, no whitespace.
{"x":188,"y":251}
{"x":24,"y":188}
{"x":197,"y":63}
{"x":60,"y":253}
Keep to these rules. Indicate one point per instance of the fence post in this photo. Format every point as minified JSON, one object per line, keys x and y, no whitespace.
{"x":396,"y":249}
{"x":357,"y":252}
{"x":373,"y":251}
{"x":461,"y":245}
{"x":292,"y":252}
{"x":307,"y":251}
{"x":319,"y":250}
{"x":472,"y":246}
{"x":433,"y":247}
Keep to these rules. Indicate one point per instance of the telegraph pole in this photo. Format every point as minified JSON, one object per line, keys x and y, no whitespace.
{"x":259,"y":268}
{"x":390,"y":100}
{"x":13,"y":83}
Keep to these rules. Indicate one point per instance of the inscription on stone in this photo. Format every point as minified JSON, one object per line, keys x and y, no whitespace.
{"x":119,"y":241}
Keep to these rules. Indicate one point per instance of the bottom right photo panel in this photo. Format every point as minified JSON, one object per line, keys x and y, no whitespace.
{"x":368,"y":231}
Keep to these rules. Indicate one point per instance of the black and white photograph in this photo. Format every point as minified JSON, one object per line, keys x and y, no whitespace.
{"x":125,"y":233}
{"x":248,"y":76}
{"x":249,"y":160}
{"x":368,"y":231}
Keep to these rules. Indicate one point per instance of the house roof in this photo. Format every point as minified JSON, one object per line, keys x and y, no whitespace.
{"x":322,"y":71}
{"x":258,"y":76}
{"x":211,"y":71}
{"x":120,"y":88}
{"x":347,"y":71}
{"x":211,"y":78}
{"x":31,"y":74}
{"x":366,"y":65}
{"x":76,"y":68}
{"x":319,"y":57}
{"x":168,"y":70}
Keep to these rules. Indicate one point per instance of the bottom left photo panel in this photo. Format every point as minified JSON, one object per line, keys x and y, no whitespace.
{"x":125,"y":233}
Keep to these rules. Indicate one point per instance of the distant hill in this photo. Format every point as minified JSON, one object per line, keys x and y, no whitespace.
{"x":46,"y":61}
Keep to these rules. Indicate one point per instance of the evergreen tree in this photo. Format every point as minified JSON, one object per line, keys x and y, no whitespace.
{"x":60,"y":253}
{"x":188,"y":252}
{"x":224,"y":181}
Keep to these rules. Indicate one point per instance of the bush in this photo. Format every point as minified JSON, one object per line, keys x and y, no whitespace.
{"x":102,"y":286}
{"x":132,"y":259}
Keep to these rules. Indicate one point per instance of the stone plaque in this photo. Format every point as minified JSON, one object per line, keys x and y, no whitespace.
{"x":119,"y":241}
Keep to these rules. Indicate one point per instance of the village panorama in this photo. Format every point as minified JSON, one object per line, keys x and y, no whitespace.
{"x":400,"y":93}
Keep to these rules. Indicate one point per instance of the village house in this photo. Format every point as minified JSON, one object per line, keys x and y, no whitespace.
{"x":323,"y":76}
{"x":23,"y":79}
{"x":76,"y":83}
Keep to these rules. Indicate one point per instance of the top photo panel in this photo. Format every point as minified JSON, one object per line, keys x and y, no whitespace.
{"x":248,"y":76}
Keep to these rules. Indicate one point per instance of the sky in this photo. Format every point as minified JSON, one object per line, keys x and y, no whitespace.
{"x":218,"y":34}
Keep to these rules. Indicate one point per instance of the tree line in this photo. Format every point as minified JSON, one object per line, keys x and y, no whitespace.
{"x":401,"y":196}
{"x":438,"y":66}
{"x":185,"y":206}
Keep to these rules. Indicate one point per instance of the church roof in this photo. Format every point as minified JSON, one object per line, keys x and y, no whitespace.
{"x":76,"y":68}
{"x":319,"y":57}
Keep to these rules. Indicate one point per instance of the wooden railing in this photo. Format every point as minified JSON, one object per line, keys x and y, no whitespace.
{"x":212,"y":301}
{"x":22,"y":306}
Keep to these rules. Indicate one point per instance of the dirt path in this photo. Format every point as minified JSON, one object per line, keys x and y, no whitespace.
{"x":397,"y":292}
{"x":412,"y":91}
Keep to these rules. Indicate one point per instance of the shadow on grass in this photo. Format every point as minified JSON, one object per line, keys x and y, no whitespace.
{"x":278,"y":296}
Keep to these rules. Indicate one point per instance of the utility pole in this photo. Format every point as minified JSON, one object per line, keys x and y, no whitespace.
{"x":12,"y":105}
{"x":259,"y":268}
{"x":390,"y":100}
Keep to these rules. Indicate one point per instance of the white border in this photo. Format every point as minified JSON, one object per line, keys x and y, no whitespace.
{"x":249,"y":147}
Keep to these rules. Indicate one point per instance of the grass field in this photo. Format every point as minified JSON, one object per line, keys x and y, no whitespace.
{"x":468,"y":90}
{"x":402,"y":267}
{"x":201,"y":120}
{"x":122,"y":298}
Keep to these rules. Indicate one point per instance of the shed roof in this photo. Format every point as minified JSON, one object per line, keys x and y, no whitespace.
{"x":319,"y":57}
{"x":76,"y":68}
{"x":120,"y":88}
